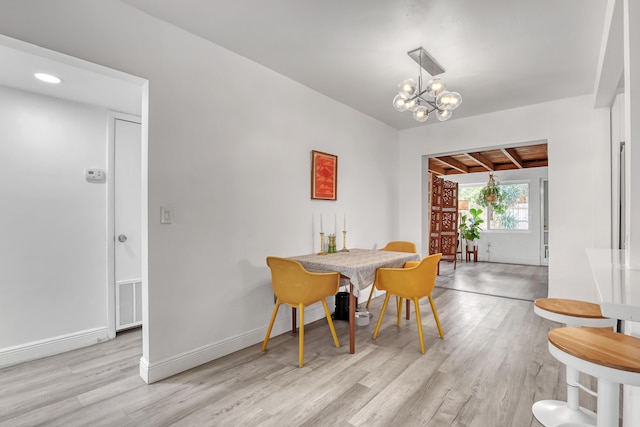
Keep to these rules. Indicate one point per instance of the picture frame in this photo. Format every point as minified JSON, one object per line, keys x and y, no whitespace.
{"x":324,"y":176}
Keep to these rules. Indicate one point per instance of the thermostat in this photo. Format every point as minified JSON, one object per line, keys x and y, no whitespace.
{"x":94,"y":175}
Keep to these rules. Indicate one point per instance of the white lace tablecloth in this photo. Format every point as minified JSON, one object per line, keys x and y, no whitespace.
{"x":359,"y":265}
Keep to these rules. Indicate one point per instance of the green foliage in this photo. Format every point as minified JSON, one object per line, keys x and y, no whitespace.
{"x":507,"y":221}
{"x":499,"y":214}
{"x":509,"y":196}
{"x":470,"y":225}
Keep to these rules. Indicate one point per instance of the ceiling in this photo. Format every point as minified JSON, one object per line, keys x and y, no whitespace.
{"x":500,"y":159}
{"x":82,"y":81}
{"x":498,"y":54}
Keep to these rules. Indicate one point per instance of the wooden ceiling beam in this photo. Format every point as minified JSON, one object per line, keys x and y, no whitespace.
{"x":453,"y":163}
{"x":436,"y":168}
{"x":477,"y":169}
{"x":513,"y":156}
{"x":537,"y":163}
{"x":505,"y":167}
{"x":482,"y":161}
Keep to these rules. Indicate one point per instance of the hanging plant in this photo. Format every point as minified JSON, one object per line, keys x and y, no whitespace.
{"x":491,"y":192}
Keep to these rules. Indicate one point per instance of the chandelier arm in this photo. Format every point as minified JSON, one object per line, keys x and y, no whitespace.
{"x":431,"y":103}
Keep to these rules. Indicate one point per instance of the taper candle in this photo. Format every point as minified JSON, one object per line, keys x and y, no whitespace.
{"x":321,"y":230}
{"x":345,"y":223}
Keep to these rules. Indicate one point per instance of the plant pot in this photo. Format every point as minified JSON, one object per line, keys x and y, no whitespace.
{"x":470,"y":245}
{"x":491,"y":198}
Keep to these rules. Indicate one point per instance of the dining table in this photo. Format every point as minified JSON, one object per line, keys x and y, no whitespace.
{"x":358,"y":267}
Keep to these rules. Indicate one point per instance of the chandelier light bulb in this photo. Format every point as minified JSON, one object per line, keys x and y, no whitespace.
{"x":407,"y":88}
{"x":448,"y":100}
{"x":421,"y":113}
{"x":400,"y":103}
{"x":455,"y":99}
{"x":443,"y":115}
{"x":412,"y":104}
{"x":435,"y":87}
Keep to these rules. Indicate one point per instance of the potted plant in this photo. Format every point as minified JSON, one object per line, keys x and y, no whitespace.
{"x":491,"y":192}
{"x":470,"y":226}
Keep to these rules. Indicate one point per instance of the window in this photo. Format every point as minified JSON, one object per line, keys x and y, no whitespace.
{"x":510,"y":212}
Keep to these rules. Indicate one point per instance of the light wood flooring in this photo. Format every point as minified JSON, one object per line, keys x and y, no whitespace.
{"x":525,"y":282}
{"x":490,"y":368}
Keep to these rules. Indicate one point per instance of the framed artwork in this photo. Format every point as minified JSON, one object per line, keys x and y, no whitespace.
{"x":324,"y":176}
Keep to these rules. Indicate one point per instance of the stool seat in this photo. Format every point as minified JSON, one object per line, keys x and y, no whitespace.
{"x":572,"y":312}
{"x":570,"y":307}
{"x":601,"y":347}
{"x":613,"y":358}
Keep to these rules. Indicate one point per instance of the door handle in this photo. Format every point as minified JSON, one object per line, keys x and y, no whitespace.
{"x":122,"y":238}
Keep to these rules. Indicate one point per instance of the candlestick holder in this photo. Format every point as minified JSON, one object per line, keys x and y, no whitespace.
{"x":322,"y":251}
{"x":344,"y":241}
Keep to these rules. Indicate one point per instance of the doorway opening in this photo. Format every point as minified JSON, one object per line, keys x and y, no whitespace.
{"x":67,"y":297}
{"x":510,"y":240}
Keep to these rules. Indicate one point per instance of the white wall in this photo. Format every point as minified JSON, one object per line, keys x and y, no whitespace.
{"x":53,"y":245}
{"x":579,"y":177}
{"x":514,"y":247}
{"x":230,"y":150}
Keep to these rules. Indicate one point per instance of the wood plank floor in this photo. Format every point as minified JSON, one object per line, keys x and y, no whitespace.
{"x":526,"y":282}
{"x":490,"y":368}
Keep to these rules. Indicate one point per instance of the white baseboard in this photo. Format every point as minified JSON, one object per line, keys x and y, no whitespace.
{"x":50,"y":346}
{"x":151,"y":372}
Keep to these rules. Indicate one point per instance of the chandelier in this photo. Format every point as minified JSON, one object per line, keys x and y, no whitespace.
{"x":414,"y":96}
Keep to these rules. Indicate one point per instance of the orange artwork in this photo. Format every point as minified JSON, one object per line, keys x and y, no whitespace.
{"x":324,"y":176}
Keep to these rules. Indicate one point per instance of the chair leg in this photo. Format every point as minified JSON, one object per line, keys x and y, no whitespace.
{"x":373,"y":287}
{"x":384,"y":307}
{"x":333,"y":330}
{"x":419,"y":321}
{"x":301,"y":342}
{"x":273,"y":318}
{"x":435,"y":316}
{"x":293,"y":320}
{"x":399,"y":308}
{"x":408,"y":310}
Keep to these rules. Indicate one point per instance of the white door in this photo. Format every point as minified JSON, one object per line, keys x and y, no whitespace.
{"x":127,"y":224}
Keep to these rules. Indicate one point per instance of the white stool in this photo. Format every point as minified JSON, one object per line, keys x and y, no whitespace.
{"x":611,"y":357}
{"x":553,"y":413}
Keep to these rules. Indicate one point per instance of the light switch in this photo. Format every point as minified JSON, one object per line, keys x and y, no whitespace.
{"x":166,"y":215}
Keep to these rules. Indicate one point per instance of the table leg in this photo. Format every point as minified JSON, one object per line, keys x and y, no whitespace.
{"x":352,"y":320}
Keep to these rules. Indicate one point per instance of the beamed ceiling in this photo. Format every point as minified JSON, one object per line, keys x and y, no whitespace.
{"x":499,"y":159}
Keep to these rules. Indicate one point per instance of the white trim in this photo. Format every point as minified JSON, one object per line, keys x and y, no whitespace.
{"x":50,"y":346}
{"x":156,"y":371}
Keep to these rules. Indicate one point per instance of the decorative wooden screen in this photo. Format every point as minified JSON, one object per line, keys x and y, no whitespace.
{"x":443,"y":231}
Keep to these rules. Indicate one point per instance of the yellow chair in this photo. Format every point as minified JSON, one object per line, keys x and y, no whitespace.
{"x":414,"y":281}
{"x":298,"y":288}
{"x":396,"y":246}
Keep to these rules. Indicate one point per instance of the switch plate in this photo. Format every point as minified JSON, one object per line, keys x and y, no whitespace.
{"x":166,"y":215}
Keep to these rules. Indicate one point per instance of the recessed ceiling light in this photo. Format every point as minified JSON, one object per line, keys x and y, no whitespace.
{"x":48,"y":78}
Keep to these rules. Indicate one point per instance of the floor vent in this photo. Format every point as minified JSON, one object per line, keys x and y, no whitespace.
{"x":128,"y":304}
